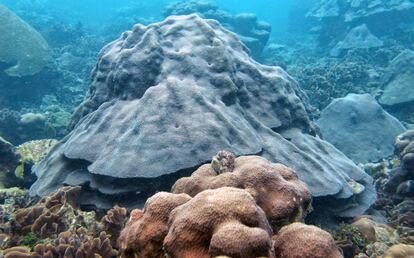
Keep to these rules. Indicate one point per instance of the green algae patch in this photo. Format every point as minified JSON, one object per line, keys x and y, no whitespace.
{"x":21,"y":45}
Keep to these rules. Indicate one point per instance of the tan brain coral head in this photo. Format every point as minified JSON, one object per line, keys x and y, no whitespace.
{"x":275,"y":187}
{"x":21,"y":45}
{"x":145,"y":231}
{"x":302,"y":241}
{"x":221,"y":222}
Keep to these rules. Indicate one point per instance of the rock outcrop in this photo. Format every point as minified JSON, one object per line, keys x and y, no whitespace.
{"x":166,"y":97}
{"x":359,"y":127}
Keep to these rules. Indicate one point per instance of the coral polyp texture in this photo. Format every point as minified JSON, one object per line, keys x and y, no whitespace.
{"x":166,"y":97}
{"x":275,"y":187}
{"x":145,"y":231}
{"x":221,"y":222}
{"x":21,"y":46}
{"x":300,"y":240}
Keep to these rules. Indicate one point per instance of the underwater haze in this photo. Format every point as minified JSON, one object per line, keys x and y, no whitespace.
{"x":182,"y":129}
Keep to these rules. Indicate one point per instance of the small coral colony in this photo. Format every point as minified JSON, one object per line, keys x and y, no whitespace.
{"x":204,"y":134}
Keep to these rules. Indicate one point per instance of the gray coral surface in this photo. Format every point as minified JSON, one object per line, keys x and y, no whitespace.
{"x":166,"y":97}
{"x":359,"y":127}
{"x":399,"y":80}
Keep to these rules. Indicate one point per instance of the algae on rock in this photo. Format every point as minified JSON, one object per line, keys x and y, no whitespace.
{"x":21,"y":45}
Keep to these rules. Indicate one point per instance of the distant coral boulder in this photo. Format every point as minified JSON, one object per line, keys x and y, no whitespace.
{"x":252,"y":32}
{"x":21,"y":46}
{"x":166,"y":97}
{"x":399,"y":80}
{"x":359,"y":127}
{"x":358,"y":37}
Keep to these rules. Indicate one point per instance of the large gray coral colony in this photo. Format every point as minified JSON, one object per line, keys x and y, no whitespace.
{"x":166,"y":97}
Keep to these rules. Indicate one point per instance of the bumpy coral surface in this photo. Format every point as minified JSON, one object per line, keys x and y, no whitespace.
{"x":298,"y":240}
{"x":400,"y":251}
{"x":404,"y":145}
{"x":226,"y":221}
{"x":21,"y":45}
{"x":220,"y":222}
{"x":275,"y":187}
{"x":144,"y":233}
{"x":401,"y":181}
{"x":189,"y":84}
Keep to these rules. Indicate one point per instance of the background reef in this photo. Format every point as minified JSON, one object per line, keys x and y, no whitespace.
{"x":100,"y":118}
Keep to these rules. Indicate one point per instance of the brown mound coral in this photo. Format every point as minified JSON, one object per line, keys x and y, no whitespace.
{"x":144,"y":233}
{"x":275,"y":187}
{"x":400,"y":251}
{"x":221,"y":222}
{"x":225,"y":221}
{"x":302,"y":241}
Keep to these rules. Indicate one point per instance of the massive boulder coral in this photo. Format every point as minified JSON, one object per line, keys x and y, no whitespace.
{"x":300,"y":240}
{"x":358,"y":37}
{"x":359,"y":127}
{"x":221,"y":222}
{"x":145,"y":231}
{"x":21,"y":45}
{"x":399,"y":80}
{"x":275,"y":187}
{"x":166,"y":97}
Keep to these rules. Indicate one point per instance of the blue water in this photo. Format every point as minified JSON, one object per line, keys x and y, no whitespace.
{"x":96,"y":12}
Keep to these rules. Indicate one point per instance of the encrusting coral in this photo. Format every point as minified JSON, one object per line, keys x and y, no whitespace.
{"x":275,"y":187}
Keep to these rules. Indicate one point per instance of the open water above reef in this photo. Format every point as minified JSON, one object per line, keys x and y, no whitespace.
{"x":301,"y":112}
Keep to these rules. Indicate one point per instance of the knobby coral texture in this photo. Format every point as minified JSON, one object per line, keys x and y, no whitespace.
{"x":165,"y":97}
